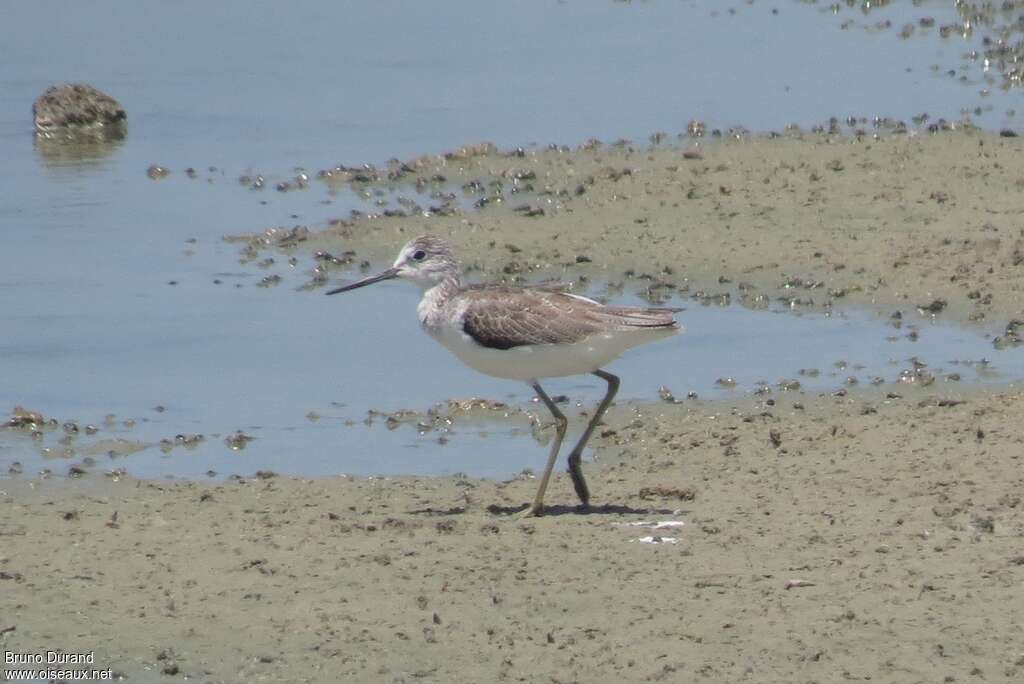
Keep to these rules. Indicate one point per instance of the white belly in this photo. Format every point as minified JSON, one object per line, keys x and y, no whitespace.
{"x":533,"y":362}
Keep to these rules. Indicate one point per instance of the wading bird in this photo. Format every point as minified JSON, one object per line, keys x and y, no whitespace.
{"x":524,"y":334}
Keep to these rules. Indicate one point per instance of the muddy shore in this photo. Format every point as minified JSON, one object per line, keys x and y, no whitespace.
{"x":874,"y":534}
{"x":898,"y":221}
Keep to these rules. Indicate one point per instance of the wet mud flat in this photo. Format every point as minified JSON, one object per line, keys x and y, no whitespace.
{"x":874,"y":535}
{"x":879,"y":215}
{"x":870,"y":533}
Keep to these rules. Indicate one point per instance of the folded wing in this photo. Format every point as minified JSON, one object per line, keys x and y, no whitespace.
{"x":503,"y":317}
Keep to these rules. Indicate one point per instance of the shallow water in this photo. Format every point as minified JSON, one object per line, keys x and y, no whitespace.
{"x":300,"y":373}
{"x":269,"y":86}
{"x":107,"y":277}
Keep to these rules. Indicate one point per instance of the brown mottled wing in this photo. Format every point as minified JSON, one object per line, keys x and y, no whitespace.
{"x":503,"y":318}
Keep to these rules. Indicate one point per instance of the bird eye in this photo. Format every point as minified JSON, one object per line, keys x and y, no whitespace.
{"x":419,"y":255}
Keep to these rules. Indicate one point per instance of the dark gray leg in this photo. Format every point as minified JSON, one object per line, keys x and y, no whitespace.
{"x":575,"y":471}
{"x":556,"y":444}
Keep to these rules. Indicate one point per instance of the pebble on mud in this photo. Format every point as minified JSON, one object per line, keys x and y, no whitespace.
{"x":934,"y":307}
{"x":1011,"y":337}
{"x":660,"y":492}
{"x":665,"y":394}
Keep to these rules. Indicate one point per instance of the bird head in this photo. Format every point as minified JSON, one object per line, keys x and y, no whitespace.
{"x":426,"y":261}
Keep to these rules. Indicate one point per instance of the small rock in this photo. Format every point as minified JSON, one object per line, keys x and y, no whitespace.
{"x":76,"y":106}
{"x":238,"y":441}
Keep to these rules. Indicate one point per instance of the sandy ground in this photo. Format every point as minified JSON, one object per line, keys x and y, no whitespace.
{"x":874,"y":535}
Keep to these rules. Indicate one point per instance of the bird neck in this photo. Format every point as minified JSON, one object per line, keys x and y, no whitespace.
{"x":436,"y":297}
{"x":447,"y":287}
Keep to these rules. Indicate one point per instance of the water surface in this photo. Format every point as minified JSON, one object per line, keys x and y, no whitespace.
{"x":119,"y":295}
{"x":301,"y":373}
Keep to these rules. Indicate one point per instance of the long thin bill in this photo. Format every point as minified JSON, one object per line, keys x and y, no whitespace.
{"x":383,"y":275}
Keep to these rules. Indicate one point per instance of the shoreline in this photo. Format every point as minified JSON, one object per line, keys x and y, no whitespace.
{"x":437,"y":575}
{"x":824,"y":535}
{"x":828,"y":519}
{"x":812,"y":219}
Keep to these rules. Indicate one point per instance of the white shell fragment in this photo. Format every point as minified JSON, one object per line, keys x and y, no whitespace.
{"x":656,"y":540}
{"x":661,"y":525}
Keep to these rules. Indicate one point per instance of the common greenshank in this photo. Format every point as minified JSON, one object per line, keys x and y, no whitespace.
{"x":524,"y":334}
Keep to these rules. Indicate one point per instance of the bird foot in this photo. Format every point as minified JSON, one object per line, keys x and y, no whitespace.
{"x":534,"y":511}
